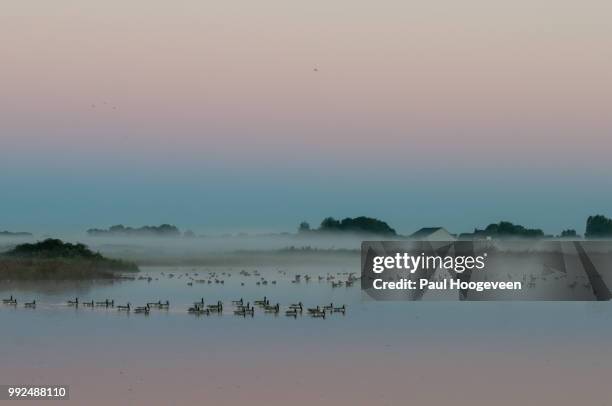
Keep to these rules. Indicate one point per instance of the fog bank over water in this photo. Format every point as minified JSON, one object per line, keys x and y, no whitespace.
{"x":216,"y":249}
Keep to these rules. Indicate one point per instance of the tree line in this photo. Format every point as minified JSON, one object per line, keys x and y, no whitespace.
{"x":597,"y":226}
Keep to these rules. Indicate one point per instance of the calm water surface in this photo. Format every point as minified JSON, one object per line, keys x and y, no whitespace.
{"x":389,"y":353}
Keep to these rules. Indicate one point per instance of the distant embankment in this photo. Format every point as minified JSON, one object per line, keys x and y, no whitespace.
{"x":55,"y":260}
{"x":164,"y":230}
{"x":14,"y":234}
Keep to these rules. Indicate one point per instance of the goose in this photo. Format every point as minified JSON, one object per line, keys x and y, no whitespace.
{"x":124,"y":308}
{"x":272,"y":309}
{"x":196,"y":309}
{"x":243,"y":307}
{"x":263,"y":302}
{"x":292,"y":313}
{"x":314,"y":310}
{"x":319,"y":314}
{"x":9,"y":300}
{"x":238,"y":302}
{"x":296,"y":306}
{"x":159,"y":304}
{"x":88,"y":304}
{"x":142,"y":309}
{"x":216,"y":308}
{"x":106,"y":303}
{"x":74,"y":302}
{"x":339,"y":309}
{"x":243,"y":311}
{"x":200,"y":303}
{"x":31,"y":304}
{"x":330,"y":307}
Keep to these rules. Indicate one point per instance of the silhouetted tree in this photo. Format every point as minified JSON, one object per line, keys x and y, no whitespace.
{"x":507,"y":229}
{"x":53,"y":248}
{"x":357,"y":225}
{"x":329,"y":224}
{"x":304,"y":227}
{"x":569,"y":233}
{"x":598,"y":226}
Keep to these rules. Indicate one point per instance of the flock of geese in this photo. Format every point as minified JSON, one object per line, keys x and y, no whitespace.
{"x":239,"y":307}
{"x":246,"y":309}
{"x":199,"y":308}
{"x":220,"y":277}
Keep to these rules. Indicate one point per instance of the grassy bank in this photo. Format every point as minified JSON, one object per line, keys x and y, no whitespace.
{"x":60,"y":269}
{"x":56,"y":260}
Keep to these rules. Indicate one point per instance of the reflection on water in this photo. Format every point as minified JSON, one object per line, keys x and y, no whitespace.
{"x":52,"y":289}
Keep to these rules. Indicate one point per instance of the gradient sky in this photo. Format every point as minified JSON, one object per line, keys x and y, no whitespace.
{"x":210,"y":115}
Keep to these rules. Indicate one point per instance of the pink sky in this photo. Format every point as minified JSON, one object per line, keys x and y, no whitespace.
{"x":212,"y":74}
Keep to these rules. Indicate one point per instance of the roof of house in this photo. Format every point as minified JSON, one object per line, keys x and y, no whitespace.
{"x":427,"y":231}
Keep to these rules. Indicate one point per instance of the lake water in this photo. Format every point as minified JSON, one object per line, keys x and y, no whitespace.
{"x":430,"y":353}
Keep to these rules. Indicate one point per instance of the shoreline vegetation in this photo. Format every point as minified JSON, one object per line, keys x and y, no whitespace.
{"x":57,"y":260}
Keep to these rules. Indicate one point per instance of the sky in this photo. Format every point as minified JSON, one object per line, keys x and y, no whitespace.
{"x":253,"y":116}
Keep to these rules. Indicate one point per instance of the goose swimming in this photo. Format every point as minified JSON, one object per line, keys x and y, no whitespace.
{"x":9,"y":300}
{"x":124,"y":308}
{"x":142,"y":309}
{"x":106,"y":303}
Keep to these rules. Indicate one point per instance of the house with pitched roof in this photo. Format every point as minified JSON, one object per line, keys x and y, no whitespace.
{"x":433,"y":234}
